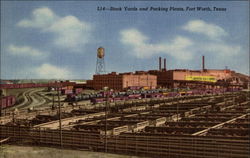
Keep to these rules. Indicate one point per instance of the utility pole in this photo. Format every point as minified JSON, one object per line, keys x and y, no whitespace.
{"x":177,"y":110}
{"x":1,"y":105}
{"x":106,"y":126}
{"x":1,"y":97}
{"x":53,"y":101}
{"x":106,"y":108}
{"x":60,"y":120}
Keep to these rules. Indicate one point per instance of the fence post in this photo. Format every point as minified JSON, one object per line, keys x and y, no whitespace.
{"x":136,"y":144}
{"x":19,"y":131}
{"x":126,"y":144}
{"x":39,"y":135}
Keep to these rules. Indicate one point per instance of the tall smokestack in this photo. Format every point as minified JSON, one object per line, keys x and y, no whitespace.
{"x":165,"y":66}
{"x":160,"y":63}
{"x":203,"y":63}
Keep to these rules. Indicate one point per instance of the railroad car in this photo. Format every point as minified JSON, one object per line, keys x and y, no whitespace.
{"x":69,"y":85}
{"x":165,"y":94}
{"x":152,"y":95}
{"x":134,"y":96}
{"x":7,"y":101}
{"x":121,"y":98}
{"x":183,"y":93}
{"x":97,"y":100}
{"x":189,"y":93}
{"x":138,"y":94}
{"x":173,"y":94}
{"x":81,"y":97}
{"x":3,"y":102}
{"x":77,"y":90}
{"x":66,"y":91}
{"x":135,"y":87}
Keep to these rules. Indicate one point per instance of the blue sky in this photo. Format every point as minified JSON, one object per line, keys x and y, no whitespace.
{"x":58,"y":39}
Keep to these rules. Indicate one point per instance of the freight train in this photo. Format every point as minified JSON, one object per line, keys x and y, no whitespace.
{"x":7,"y":101}
{"x":36,"y":85}
{"x":139,"y":94}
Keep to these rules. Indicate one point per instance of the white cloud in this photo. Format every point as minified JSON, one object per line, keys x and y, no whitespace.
{"x":48,"y":71}
{"x":25,"y":51}
{"x":41,"y":18}
{"x":211,"y":30}
{"x":133,"y":37}
{"x":178,"y":47}
{"x":222,"y":49}
{"x":69,"y":32}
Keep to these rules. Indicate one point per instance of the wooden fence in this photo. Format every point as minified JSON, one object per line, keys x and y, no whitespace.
{"x":133,"y":144}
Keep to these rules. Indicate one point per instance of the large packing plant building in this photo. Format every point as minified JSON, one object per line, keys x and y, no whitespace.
{"x":123,"y":80}
{"x":193,"y":78}
{"x":204,"y":78}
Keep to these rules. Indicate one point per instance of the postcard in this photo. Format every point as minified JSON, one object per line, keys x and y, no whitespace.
{"x":125,"y":78}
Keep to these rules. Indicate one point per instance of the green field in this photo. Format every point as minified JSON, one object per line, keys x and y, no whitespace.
{"x":13,"y":151}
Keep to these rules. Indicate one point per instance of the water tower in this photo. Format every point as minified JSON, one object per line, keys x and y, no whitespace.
{"x":100,"y":66}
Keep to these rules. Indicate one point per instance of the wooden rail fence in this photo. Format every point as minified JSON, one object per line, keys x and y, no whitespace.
{"x":133,"y":144}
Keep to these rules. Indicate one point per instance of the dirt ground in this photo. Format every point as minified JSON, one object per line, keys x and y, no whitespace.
{"x":12,"y":151}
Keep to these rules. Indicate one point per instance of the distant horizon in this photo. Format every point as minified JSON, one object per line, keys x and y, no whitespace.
{"x":119,"y":73}
{"x":59,"y":39}
{"x":42,"y":79}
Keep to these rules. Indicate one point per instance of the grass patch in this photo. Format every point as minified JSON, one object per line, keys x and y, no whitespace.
{"x":13,"y":151}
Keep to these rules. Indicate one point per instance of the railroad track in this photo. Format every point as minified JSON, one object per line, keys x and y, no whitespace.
{"x":32,"y":98}
{"x":43,"y":99}
{"x":46,"y":98}
{"x":27,"y":100}
{"x":38,"y":99}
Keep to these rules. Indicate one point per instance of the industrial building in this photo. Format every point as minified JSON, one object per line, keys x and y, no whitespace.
{"x":193,"y":78}
{"x":177,"y":78}
{"x":204,"y":78}
{"x":123,"y":80}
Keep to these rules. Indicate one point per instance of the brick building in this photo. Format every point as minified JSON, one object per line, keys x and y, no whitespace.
{"x":123,"y":80}
{"x":204,"y":78}
{"x":188,"y":78}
